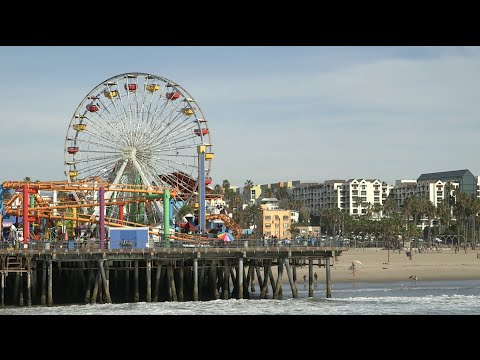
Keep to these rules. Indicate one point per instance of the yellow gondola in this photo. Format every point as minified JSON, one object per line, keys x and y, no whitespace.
{"x":80,"y":127}
{"x":110,"y":94}
{"x":209,"y":156}
{"x":187,"y":111}
{"x":153,"y":87}
{"x":72,"y":173}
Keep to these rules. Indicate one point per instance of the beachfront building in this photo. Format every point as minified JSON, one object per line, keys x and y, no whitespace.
{"x":276,"y":223}
{"x":355,"y":196}
{"x":270,"y":203}
{"x":402,"y":190}
{"x":466,"y":181}
{"x":433,"y":190}
{"x":259,"y":191}
{"x":309,"y":194}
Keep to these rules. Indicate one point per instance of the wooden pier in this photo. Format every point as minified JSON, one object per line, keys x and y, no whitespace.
{"x":48,"y":277}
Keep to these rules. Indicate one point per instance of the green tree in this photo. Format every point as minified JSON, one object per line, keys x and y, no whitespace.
{"x":268,"y":193}
{"x":187,"y":208}
{"x":247,"y":187}
{"x":389,"y":205}
{"x":226,"y":186}
{"x":252,"y":215}
{"x":282,"y":193}
{"x":376,"y":210}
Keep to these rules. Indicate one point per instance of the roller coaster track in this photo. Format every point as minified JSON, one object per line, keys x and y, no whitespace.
{"x":87,"y":186}
{"x":237,"y":231}
{"x":58,"y":211}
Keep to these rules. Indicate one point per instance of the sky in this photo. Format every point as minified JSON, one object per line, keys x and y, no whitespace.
{"x":274,"y":113}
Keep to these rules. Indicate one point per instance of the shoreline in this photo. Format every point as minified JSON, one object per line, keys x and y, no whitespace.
{"x":373,"y":266}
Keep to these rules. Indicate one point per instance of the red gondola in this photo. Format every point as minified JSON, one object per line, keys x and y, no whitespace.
{"x":208,"y":181}
{"x":130,"y":87}
{"x":72,"y":149}
{"x":203,"y":132}
{"x":173,"y":95}
{"x":93,"y":107}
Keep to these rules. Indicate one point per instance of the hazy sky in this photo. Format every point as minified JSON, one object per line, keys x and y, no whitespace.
{"x":275,"y":113}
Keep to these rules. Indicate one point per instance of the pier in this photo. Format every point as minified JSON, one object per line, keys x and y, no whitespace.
{"x":57,"y":275}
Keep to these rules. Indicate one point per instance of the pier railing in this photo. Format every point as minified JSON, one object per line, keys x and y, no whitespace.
{"x":94,"y":245}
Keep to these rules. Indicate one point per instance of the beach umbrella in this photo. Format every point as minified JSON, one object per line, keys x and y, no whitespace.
{"x":225,"y":237}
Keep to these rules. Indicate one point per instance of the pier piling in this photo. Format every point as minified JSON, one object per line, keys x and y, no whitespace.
{"x":327,"y":275}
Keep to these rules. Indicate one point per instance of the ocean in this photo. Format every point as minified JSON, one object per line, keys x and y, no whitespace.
{"x":402,"y":298}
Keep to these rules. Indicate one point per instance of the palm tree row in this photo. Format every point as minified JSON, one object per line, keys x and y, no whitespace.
{"x":458,"y":213}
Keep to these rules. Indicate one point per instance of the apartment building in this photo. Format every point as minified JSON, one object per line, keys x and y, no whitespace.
{"x":464,"y":178}
{"x":434,"y":190}
{"x":353,"y":195}
{"x":277,"y":223}
{"x":402,"y":190}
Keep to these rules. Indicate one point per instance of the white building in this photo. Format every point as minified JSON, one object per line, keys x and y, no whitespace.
{"x":344,"y":195}
{"x":294,"y":216}
{"x":433,"y":190}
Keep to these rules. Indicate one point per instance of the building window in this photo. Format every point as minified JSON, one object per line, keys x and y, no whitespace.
{"x":277,"y":225}
{"x":268,"y":226}
{"x":268,"y":218}
{"x":285,"y":226}
{"x":364,"y":193}
{"x":285,"y":217}
{"x":252,"y":195}
{"x":363,"y":187}
{"x":355,"y":211}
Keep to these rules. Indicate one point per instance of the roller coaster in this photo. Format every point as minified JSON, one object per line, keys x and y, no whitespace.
{"x":81,"y":211}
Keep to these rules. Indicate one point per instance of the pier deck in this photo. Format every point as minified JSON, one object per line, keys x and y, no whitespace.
{"x":184,"y":273}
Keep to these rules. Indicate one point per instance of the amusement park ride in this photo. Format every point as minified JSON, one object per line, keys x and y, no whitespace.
{"x":137,"y":149}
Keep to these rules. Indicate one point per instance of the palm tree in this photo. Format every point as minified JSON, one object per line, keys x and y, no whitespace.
{"x":26,"y":178}
{"x":225,"y":185}
{"x":389,"y":205}
{"x":218,"y":189}
{"x":429,"y":210}
{"x":251,"y":215}
{"x":247,"y":187}
{"x":187,"y":208}
{"x":475,"y":205}
{"x":282,"y":193}
{"x":377,"y":209}
{"x":268,"y":193}
{"x":443,"y":213}
{"x":360,"y":203}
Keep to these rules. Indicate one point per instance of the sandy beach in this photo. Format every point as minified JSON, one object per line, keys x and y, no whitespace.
{"x":375,"y":267}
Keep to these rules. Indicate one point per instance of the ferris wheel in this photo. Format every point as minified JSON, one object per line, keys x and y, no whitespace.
{"x":141,"y":129}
